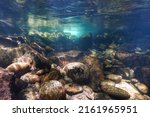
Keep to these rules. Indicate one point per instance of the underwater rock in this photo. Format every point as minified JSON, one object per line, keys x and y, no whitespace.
{"x":73,"y":89}
{"x":115,"y":92}
{"x":142,"y":88}
{"x":54,"y":74}
{"x":77,"y":71}
{"x":96,"y":74}
{"x":5,"y":84}
{"x":19,"y":68}
{"x":128,"y":87}
{"x":114,"y":77}
{"x":30,"y":93}
{"x":30,"y":78}
{"x":52,"y":90}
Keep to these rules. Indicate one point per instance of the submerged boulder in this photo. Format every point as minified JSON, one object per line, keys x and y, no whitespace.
{"x":52,"y":90}
{"x":115,"y":92}
{"x":77,"y":71}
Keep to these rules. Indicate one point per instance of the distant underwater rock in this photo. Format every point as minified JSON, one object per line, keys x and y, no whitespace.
{"x":77,"y":71}
{"x":5,"y":84}
{"x":52,"y":90}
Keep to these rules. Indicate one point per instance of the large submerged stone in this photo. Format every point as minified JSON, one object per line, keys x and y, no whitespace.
{"x":52,"y":90}
{"x":77,"y":71}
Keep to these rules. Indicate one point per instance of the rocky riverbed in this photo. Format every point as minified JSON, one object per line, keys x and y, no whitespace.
{"x":34,"y":71}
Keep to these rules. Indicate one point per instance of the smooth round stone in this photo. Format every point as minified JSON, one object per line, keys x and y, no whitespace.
{"x":107,"y":82}
{"x":114,"y":77}
{"x":142,"y":88}
{"x":115,"y":92}
{"x":52,"y":90}
{"x":77,"y":71}
{"x":73,"y":88}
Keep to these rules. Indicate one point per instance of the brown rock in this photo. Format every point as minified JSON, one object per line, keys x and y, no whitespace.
{"x":30,"y":78}
{"x":115,"y":92}
{"x":77,"y":71}
{"x":52,"y":90}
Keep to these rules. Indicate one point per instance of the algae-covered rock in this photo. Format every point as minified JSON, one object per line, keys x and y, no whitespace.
{"x":115,"y":92}
{"x":52,"y":90}
{"x":77,"y":71}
